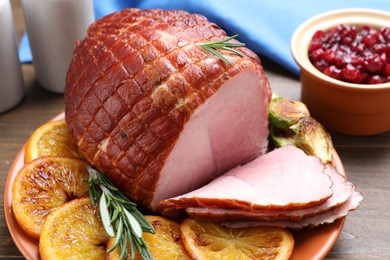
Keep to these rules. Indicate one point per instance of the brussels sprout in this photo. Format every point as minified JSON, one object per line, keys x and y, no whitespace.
{"x":282,"y":137}
{"x":313,"y":138}
{"x":290,"y":123}
{"x":285,"y":112}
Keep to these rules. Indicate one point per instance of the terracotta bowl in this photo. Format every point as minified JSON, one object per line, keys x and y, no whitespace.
{"x":347,"y":108}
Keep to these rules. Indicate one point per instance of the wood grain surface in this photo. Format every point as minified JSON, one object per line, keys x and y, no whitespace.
{"x":366,"y":233}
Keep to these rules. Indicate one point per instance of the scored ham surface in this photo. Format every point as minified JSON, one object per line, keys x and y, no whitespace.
{"x":284,"y":179}
{"x":158,"y":114}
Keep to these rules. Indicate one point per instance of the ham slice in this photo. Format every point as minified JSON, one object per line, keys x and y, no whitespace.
{"x":284,"y":179}
{"x":156,"y":113}
{"x":342,"y":191}
{"x":284,"y":188}
{"x":324,"y":218}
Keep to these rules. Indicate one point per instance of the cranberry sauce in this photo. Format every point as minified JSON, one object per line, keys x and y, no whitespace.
{"x":352,"y":54}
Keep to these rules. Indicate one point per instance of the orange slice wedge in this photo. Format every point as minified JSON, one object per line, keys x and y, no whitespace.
{"x":165,"y":244}
{"x":73,"y":231}
{"x":51,"y":139}
{"x":43,"y":185}
{"x":207,"y":240}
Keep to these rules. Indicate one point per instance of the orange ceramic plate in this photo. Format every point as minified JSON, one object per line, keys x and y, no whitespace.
{"x":312,"y":243}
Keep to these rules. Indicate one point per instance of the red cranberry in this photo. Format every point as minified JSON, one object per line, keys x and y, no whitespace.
{"x":352,"y":74}
{"x":387,"y":70}
{"x":385,"y":31}
{"x":318,"y":35}
{"x":360,"y":48}
{"x":375,"y":79}
{"x":379,"y":48}
{"x":348,"y":53}
{"x":334,"y":72}
{"x":317,"y":54}
{"x":347,"y":40}
{"x":364,"y":76}
{"x":369,"y":39}
{"x":373,"y":63}
{"x":330,"y":55}
{"x":320,"y":64}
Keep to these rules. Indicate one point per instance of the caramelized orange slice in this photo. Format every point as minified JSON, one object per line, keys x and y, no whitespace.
{"x":51,"y":139}
{"x":43,"y":185}
{"x":73,"y":231}
{"x":165,"y":244}
{"x":207,"y":240}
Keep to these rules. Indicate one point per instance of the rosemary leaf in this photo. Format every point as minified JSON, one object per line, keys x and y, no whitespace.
{"x":145,"y":254}
{"x":120,"y":217}
{"x":122,"y":201}
{"x":119,"y":232}
{"x":219,"y":55}
{"x":136,"y":227}
{"x":105,"y":216}
{"x":232,"y":50}
{"x":92,"y":193}
{"x":132,"y":246}
{"x":115,"y":214}
{"x":107,"y":183}
{"x":123,"y":247}
{"x":223,"y":44}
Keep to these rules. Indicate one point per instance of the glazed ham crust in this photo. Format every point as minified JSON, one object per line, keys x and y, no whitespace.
{"x":135,"y":89}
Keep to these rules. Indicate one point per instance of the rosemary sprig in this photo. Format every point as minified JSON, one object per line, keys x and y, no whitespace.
{"x":223,"y":44}
{"x":120,"y":217}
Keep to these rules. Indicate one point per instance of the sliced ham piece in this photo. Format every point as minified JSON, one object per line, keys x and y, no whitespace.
{"x":158,"y":114}
{"x":324,"y":218}
{"x":284,"y":179}
{"x":342,"y":191}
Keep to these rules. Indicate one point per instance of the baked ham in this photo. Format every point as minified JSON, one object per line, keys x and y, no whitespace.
{"x":284,"y":188}
{"x":158,"y":114}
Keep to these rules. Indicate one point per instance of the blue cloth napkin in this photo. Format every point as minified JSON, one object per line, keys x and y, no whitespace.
{"x":266,"y":26}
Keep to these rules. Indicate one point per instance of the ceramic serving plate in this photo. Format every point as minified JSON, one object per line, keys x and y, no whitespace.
{"x":310,"y":243}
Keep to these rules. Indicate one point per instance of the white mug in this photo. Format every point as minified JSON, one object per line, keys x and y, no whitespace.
{"x":53,"y":27}
{"x":11,"y":80}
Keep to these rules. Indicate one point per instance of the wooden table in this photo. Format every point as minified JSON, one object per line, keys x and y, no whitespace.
{"x":366,"y":233}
